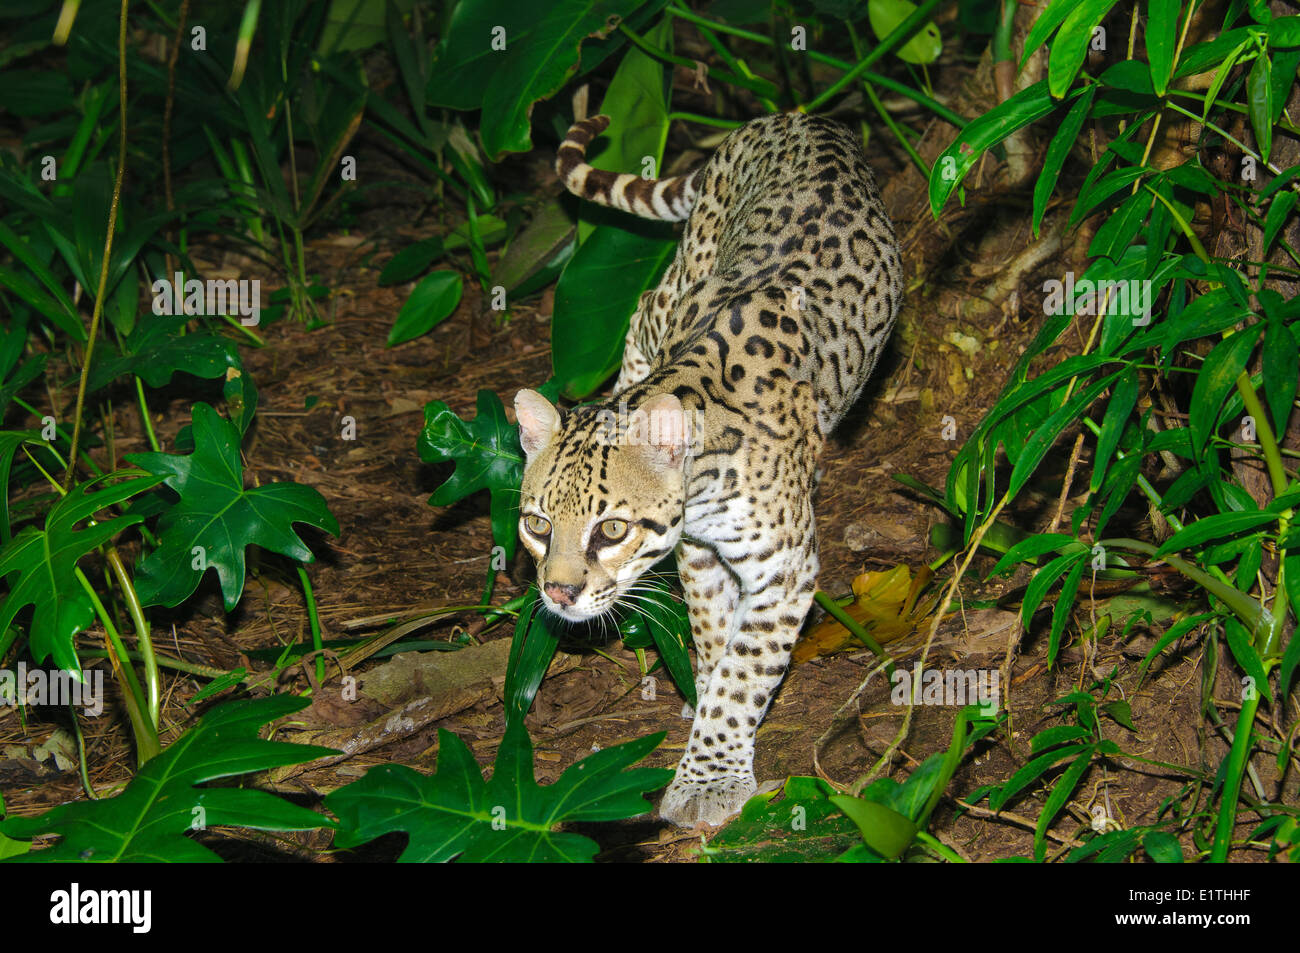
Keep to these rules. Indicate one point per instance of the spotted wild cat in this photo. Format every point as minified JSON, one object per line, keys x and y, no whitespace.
{"x":764,"y":329}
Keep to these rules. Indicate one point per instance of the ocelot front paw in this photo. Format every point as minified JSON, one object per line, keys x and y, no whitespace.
{"x":689,"y":802}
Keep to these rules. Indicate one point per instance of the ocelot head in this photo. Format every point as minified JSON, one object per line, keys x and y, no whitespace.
{"x":602,"y":499}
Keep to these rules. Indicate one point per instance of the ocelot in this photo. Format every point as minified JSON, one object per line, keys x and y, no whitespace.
{"x":764,"y":329}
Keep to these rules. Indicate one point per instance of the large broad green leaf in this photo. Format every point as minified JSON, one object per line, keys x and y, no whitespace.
{"x":433,"y":299}
{"x":885,"y":831}
{"x":46,"y":563}
{"x":158,"y":348}
{"x":504,"y":57}
{"x":148,"y":821}
{"x":216,"y":518}
{"x":637,"y":104}
{"x":594,"y":302}
{"x":487,"y":455}
{"x":456,"y":814}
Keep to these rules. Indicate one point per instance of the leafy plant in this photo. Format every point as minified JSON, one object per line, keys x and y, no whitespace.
{"x":168,"y":798}
{"x":455,"y":814}
{"x":1157,"y":300}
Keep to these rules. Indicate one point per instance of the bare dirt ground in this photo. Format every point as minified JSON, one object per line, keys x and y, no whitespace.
{"x":396,"y":553}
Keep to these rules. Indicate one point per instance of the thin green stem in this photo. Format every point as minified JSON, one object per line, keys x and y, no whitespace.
{"x":705,"y":120}
{"x":166,"y":661}
{"x":940,"y":848}
{"x":82,"y":768}
{"x":144,"y":415}
{"x":142,"y":636}
{"x":146,"y":737}
{"x":1237,"y":760}
{"x":843,"y":618}
{"x":98,"y":310}
{"x":313,"y":620}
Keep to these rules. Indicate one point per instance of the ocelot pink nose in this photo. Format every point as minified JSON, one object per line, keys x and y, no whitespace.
{"x":563,"y":593}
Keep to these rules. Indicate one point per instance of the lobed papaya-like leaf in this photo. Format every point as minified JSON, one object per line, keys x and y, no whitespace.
{"x":216,"y":518}
{"x":455,"y":814}
{"x":149,"y":820}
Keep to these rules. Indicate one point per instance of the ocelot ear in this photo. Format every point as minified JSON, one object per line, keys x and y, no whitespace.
{"x":660,"y":430}
{"x":539,"y":421}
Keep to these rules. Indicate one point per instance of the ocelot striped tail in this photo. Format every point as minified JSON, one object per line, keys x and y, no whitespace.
{"x":669,"y":199}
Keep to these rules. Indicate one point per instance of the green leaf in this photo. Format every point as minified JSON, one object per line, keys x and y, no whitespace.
{"x":1259,"y":102}
{"x":158,"y":348}
{"x":455,"y":814}
{"x":1045,"y":436}
{"x":545,"y":243}
{"x":433,"y":300}
{"x":1057,"y":152}
{"x":1281,"y":366}
{"x":487,"y":455}
{"x":1047,"y":21}
{"x":1122,"y":400}
{"x":796,"y":823}
{"x":1070,"y":47}
{"x":1216,"y":526}
{"x":1051,"y":737}
{"x":541,"y":51}
{"x":1122,"y":712}
{"x":887,"y":15}
{"x":537,"y":634}
{"x":46,"y":563}
{"x":1061,"y":792}
{"x":1030,"y":549}
{"x":1061,"y":611}
{"x":1217,"y":376}
{"x":149,"y":820}
{"x":1029,"y":105}
{"x":1043,"y":580}
{"x":1161,"y":40}
{"x":1174,"y":633}
{"x":54,"y":303}
{"x":1291,"y":655}
{"x":216,"y":518}
{"x":1121,"y":227}
{"x":670,"y":627}
{"x":1279,"y":210}
{"x":1031,"y":772}
{"x":411,"y":261}
{"x":637,"y":104}
{"x":1162,"y":848}
{"x":1247,"y":655}
{"x":588,"y":326}
{"x":885,"y":831}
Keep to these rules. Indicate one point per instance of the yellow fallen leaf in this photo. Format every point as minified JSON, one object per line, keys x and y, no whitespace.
{"x":886,"y":604}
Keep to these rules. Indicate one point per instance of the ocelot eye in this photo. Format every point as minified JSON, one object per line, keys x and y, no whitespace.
{"x":613,"y":530}
{"x":538,"y":526}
